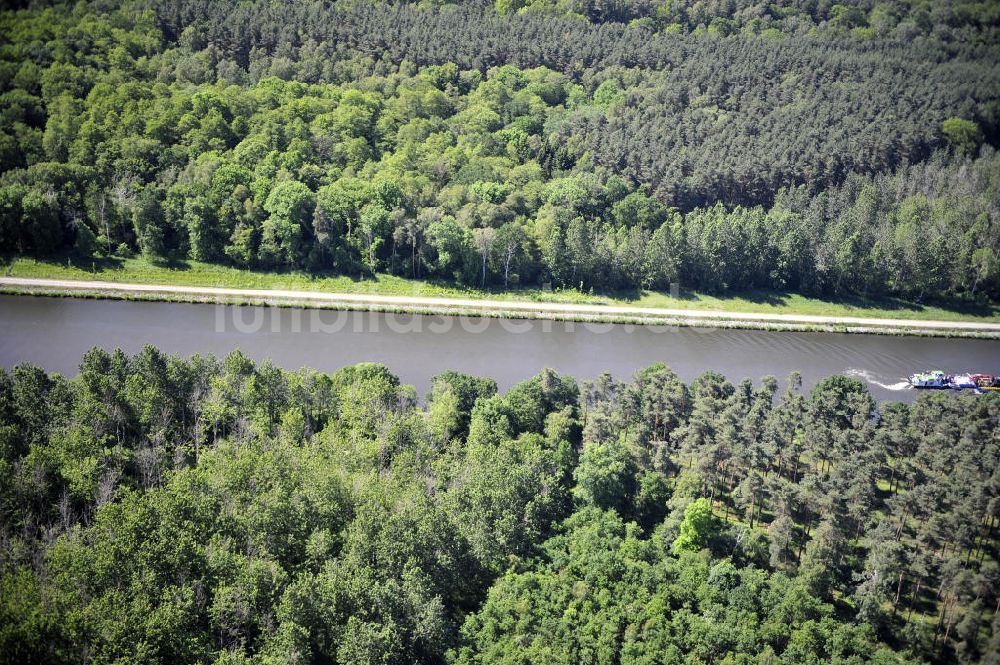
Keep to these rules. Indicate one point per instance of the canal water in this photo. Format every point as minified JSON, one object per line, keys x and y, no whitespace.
{"x":54,"y":333}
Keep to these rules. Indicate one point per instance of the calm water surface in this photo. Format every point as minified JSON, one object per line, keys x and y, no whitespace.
{"x":54,"y":333}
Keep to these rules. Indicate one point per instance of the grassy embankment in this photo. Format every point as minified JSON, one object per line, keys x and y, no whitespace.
{"x":190,"y":273}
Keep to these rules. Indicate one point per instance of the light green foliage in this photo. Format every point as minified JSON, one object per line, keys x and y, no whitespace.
{"x":150,"y":134}
{"x":365,"y":393}
{"x":605,"y":595}
{"x":444,"y":415}
{"x":696,"y":529}
{"x":609,"y":94}
{"x":452,"y":399}
{"x":452,"y":245}
{"x":214,"y":510}
{"x":157,"y":509}
{"x":963,"y":135}
{"x":511,"y":495}
{"x":291,"y":206}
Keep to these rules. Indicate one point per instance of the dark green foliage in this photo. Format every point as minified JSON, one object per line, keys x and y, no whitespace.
{"x":603,"y":145}
{"x":157,"y":509}
{"x":607,"y":595}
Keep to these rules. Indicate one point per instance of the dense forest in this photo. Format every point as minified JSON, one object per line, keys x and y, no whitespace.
{"x":601,"y":145}
{"x":161,"y":509}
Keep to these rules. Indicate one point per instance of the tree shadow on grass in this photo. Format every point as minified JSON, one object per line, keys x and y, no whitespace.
{"x":756,"y":296}
{"x":171,"y":264}
{"x":969,"y":306}
{"x":92,"y":263}
{"x":980,"y":306}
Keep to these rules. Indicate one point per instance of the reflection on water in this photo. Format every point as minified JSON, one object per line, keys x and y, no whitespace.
{"x":55,"y":332}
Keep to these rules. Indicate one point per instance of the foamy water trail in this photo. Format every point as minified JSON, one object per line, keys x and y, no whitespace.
{"x":870,"y":378}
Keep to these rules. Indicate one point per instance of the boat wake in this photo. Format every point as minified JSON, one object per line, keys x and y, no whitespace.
{"x":870,"y":378}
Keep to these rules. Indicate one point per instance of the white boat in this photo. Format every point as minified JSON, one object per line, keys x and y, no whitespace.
{"x":962,"y":382}
{"x":934,"y":379}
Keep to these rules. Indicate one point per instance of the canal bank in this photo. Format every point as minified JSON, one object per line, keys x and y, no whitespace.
{"x":500,"y":308}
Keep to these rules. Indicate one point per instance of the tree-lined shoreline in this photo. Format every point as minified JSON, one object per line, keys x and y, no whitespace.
{"x":502,"y":308}
{"x":166,"y":509}
{"x":517,"y":149}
